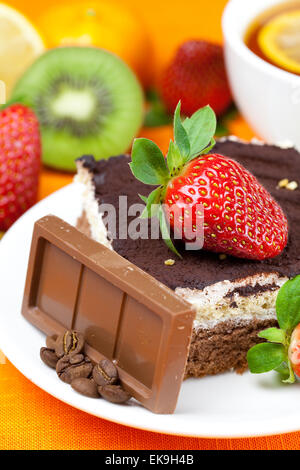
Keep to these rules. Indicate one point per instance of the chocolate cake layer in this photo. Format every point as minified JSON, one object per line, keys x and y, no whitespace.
{"x":223,"y":347}
{"x":199,"y":269}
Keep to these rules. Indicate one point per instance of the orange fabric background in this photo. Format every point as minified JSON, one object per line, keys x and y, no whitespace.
{"x":30,"y":418}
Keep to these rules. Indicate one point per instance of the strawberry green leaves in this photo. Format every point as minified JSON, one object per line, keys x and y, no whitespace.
{"x":148,"y":163}
{"x":288,"y":304}
{"x":193,"y":136}
{"x":152,"y":203}
{"x":274,"y":355}
{"x":165,"y":232}
{"x":181,"y":137}
{"x":174,"y":158}
{"x":265,"y":357}
{"x":274,"y":335}
{"x":201,"y":128}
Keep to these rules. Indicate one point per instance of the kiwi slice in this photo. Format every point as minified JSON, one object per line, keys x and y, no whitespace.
{"x":87,"y":101}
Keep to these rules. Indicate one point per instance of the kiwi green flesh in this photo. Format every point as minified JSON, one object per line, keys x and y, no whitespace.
{"x":87,"y":101}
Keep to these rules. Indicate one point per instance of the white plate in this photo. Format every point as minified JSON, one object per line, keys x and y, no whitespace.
{"x":228,"y":405}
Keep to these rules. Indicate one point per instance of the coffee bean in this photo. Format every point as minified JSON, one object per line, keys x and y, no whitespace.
{"x":49,"y":357}
{"x":68,"y":372}
{"x":105,"y":373}
{"x":114,"y":393}
{"x":86,"y":387}
{"x":70,"y":343}
{"x":77,"y":359}
{"x":51,"y":341}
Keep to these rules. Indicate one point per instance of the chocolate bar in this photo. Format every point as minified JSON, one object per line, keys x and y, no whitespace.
{"x":125,"y":314}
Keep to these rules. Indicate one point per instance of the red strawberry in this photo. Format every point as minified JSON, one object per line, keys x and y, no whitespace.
{"x":197,"y":77}
{"x":294,"y":350}
{"x":240,"y":216}
{"x":20,"y":156}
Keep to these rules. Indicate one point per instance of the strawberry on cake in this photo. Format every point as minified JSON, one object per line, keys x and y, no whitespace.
{"x":251,"y":244}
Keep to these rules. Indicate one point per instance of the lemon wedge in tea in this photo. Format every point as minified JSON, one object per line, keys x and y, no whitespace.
{"x":279,"y":40}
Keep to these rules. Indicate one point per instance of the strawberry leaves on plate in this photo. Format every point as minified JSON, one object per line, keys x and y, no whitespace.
{"x":288,"y":304}
{"x":266,"y":357}
{"x":274,"y":335}
{"x":276,"y":353}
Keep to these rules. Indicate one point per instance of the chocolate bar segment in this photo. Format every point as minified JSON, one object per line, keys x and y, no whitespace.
{"x":125,"y":315}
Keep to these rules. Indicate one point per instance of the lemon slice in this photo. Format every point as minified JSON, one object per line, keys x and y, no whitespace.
{"x":20,"y":44}
{"x":279,"y":40}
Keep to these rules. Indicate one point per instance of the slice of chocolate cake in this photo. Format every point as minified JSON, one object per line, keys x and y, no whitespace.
{"x":234,"y":298}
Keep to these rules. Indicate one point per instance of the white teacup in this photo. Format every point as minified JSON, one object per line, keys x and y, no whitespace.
{"x":268,"y":97}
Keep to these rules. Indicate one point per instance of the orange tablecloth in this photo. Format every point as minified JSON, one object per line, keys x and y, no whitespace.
{"x":29,"y":417}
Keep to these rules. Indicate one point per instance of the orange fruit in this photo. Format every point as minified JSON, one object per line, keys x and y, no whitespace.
{"x":102,"y":24}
